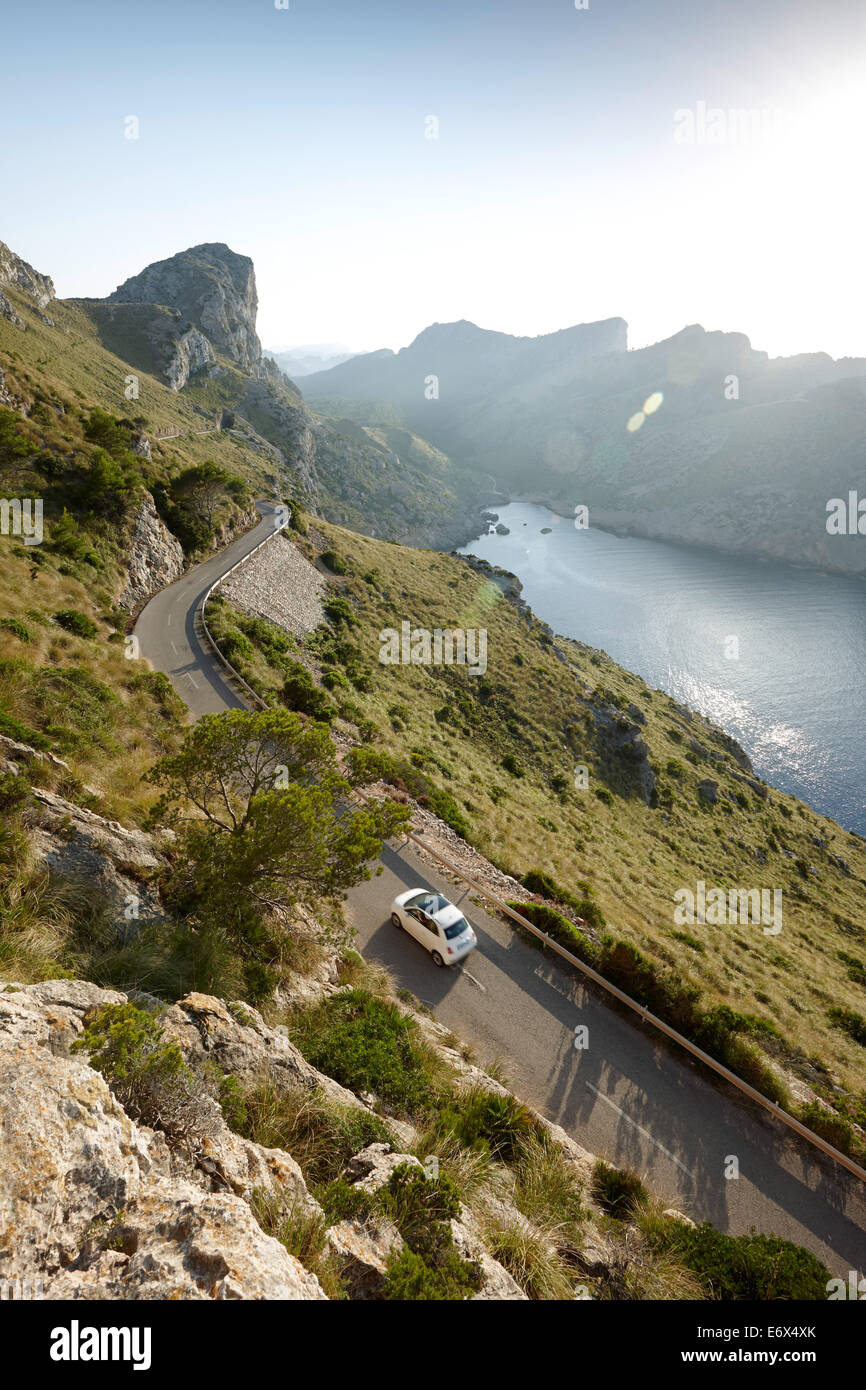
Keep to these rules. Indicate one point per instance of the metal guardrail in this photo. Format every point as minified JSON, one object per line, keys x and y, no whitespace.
{"x":645,"y":1015}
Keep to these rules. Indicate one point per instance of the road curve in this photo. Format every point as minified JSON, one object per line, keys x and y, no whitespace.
{"x":627,"y":1095}
{"x":169,"y":631}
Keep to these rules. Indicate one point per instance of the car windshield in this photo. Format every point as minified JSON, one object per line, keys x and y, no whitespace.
{"x":428,"y":902}
{"x":456,"y":928}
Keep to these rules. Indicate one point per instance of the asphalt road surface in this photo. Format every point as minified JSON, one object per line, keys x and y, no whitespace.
{"x":628,"y":1096}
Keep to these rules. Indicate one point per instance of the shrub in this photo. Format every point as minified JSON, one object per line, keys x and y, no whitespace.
{"x":236,"y":647}
{"x":14,"y":791}
{"x":297,"y":517}
{"x":73,"y":621}
{"x":488,"y":1121}
{"x":16,"y":627}
{"x":301,"y":692}
{"x":367,"y":1044}
{"x":852,"y":1023}
{"x":537,"y":881}
{"x":746,"y":1267}
{"x":339,"y":610}
{"x":618,"y":1191}
{"x":510,"y":763}
{"x":335,"y":563}
{"x":559,"y":929}
{"x":410,"y":1278}
{"x":830,"y":1126}
{"x":421,"y":1207}
{"x":343,"y":1201}
{"x":604,"y":795}
{"x":147,"y":1073}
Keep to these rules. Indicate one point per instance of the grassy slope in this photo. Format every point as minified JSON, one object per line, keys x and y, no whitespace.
{"x":109,"y":736}
{"x":540,"y":711}
{"x":538,"y":708}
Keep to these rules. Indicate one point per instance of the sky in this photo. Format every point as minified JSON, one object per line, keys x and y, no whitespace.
{"x":587,"y":162}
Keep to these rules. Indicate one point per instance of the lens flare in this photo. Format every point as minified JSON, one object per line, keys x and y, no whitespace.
{"x":652,"y":403}
{"x":635,"y":422}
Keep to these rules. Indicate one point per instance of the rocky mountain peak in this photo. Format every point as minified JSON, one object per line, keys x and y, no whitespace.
{"x":211,"y":286}
{"x":20,"y":275}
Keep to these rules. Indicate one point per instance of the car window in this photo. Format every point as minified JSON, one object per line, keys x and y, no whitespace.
{"x":456,"y":928}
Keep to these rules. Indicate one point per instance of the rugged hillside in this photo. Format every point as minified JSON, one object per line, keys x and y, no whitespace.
{"x":190,"y":321}
{"x":736,"y":451}
{"x":555,"y":759}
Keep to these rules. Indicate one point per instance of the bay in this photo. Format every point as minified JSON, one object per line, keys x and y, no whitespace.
{"x":794,"y":695}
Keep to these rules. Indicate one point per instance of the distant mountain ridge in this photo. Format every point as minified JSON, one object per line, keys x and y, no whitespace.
{"x":741,"y":452}
{"x":302,"y":361}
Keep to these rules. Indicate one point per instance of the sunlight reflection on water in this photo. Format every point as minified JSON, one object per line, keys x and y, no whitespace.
{"x":795,"y":698}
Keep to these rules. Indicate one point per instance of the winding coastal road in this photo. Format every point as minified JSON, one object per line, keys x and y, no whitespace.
{"x":627,"y":1095}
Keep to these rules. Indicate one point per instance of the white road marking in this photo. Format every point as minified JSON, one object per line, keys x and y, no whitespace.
{"x":465,"y":972}
{"x":168,"y":620}
{"x":174,"y":648}
{"x":640,"y":1129}
{"x":192,"y":678}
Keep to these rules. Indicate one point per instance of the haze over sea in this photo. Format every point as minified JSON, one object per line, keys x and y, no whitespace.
{"x":796,"y":697}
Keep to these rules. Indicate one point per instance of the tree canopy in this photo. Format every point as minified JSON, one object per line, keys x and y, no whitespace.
{"x":274,"y":823}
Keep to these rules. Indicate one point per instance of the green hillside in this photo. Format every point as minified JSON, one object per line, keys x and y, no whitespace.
{"x":496,"y":754}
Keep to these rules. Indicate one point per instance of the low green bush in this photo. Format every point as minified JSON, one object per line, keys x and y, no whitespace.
{"x":540,"y":882}
{"x":335,"y":563}
{"x":78,"y":623}
{"x":339,"y":611}
{"x":559,"y":929}
{"x":410,"y":1278}
{"x":745,"y":1267}
{"x":367,"y":1044}
{"x":834,"y":1128}
{"x":489,"y":1122}
{"x":849,"y":1022}
{"x":16,"y":627}
{"x":618,"y":1191}
{"x":300,"y":692}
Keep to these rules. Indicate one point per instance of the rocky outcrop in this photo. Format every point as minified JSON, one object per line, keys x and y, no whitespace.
{"x":93,"y":1205}
{"x":16,"y":272}
{"x":191,"y":353}
{"x":7,"y":312}
{"x":154,"y":558}
{"x":367,"y":1249}
{"x":214,"y":288}
{"x":108,"y":864}
{"x":622,"y":741}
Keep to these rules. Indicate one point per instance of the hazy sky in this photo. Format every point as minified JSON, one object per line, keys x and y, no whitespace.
{"x":557,"y":190}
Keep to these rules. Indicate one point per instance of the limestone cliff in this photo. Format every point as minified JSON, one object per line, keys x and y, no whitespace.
{"x":212,"y":287}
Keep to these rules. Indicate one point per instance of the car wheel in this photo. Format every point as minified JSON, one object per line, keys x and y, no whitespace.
{"x":437,"y":959}
{"x":395,"y":920}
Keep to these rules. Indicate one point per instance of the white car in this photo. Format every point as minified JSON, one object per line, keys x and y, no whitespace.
{"x":436,"y":923}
